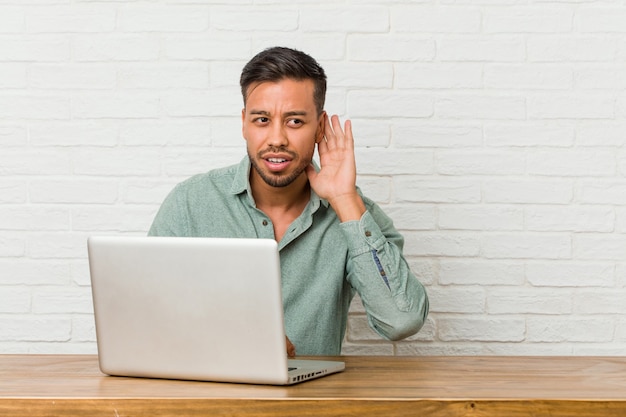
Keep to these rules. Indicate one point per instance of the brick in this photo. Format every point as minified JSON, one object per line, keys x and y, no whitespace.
{"x":13,"y":76}
{"x":412,"y":189}
{"x":530,"y":301}
{"x":518,"y":134}
{"x":571,"y":107}
{"x":570,"y":49}
{"x":482,"y":49}
{"x":26,"y":328}
{"x":381,"y":161}
{"x":22,"y":271}
{"x":588,"y":302}
{"x":468,"y":217}
{"x":572,"y":163}
{"x":439,"y":244}
{"x":411,"y":217}
{"x":217,"y":102}
{"x":375,"y":188}
{"x":190,"y":132}
{"x":595,"y":246}
{"x":570,"y":274}
{"x":68,"y":19}
{"x":389,"y":104}
{"x":83,"y":191}
{"x":436,"y":19}
{"x":602,"y":133}
{"x":597,"y":191}
{"x":480,"y":272}
{"x":73,"y":133}
{"x":384,"y":47}
{"x":528,"y":77}
{"x":360,"y":75}
{"x":21,"y":106}
{"x":191,"y":162}
{"x":115,"y":47}
{"x":117,"y":162}
{"x":162,"y":18}
{"x":602,"y":19}
{"x":208,"y":47}
{"x":253,"y":19}
{"x":13,"y":136}
{"x":40,"y":162}
{"x":368,"y":19}
{"x":164,"y":76}
{"x":528,"y":20}
{"x":534,"y":191}
{"x":574,"y":329}
{"x":410,"y":134}
{"x":481,"y":107}
{"x":574,"y":219}
{"x":113,"y":219}
{"x":62,"y":300}
{"x":481,"y":329}
{"x":325,"y":47}
{"x":11,"y":19}
{"x":15,"y":300}
{"x":608,"y":78}
{"x":116,"y":106}
{"x":470,"y":162}
{"x":424,"y":269}
{"x":371,"y":133}
{"x":34,"y":48}
{"x":436,"y":75}
{"x":11,"y":245}
{"x":83,"y":328}
{"x":57,"y":245}
{"x":12,"y":191}
{"x":72,"y":76}
{"x":146,"y":191}
{"x":457,"y":300}
{"x":31,"y":217}
{"x":531,"y":246}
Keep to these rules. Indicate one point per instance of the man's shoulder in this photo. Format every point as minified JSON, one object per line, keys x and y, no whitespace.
{"x":219,"y":178}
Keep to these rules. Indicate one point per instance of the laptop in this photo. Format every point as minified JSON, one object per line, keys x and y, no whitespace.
{"x":207,"y":309}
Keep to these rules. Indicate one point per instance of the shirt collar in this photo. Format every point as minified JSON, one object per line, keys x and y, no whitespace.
{"x":241,"y":183}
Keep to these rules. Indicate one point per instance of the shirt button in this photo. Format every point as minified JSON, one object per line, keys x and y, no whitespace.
{"x":368,"y":233}
{"x":264,"y":222}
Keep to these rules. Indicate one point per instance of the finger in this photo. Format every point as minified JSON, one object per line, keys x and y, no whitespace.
{"x":291,"y":349}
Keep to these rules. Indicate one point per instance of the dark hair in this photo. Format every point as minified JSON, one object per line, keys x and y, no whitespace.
{"x":278,"y":63}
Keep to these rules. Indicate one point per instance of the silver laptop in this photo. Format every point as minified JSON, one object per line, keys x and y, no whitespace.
{"x":193,"y":308}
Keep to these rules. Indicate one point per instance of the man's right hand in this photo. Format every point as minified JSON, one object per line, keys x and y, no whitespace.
{"x":291,"y":349}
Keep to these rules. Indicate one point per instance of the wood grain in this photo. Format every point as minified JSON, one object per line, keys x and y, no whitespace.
{"x":72,"y":385}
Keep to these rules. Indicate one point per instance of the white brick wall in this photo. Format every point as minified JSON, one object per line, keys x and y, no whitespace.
{"x":492,"y":132}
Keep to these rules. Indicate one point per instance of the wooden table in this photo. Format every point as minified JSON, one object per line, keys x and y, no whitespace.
{"x":72,"y":385}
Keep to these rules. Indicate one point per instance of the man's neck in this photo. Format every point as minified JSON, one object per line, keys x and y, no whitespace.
{"x":294,"y":196}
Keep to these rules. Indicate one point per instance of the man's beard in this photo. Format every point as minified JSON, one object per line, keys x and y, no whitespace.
{"x":279,"y":179}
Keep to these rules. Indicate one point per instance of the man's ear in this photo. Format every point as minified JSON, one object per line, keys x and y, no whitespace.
{"x":321,"y":127}
{"x":243,"y":119}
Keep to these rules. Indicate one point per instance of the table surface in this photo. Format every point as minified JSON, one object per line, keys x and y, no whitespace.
{"x":38,"y":385}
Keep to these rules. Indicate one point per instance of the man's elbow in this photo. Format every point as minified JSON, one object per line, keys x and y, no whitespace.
{"x":406,"y":324}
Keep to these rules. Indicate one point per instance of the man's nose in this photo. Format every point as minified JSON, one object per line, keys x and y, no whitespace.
{"x":277,"y":136}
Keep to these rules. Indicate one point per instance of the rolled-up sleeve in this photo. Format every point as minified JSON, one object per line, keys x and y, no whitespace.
{"x":395,"y":301}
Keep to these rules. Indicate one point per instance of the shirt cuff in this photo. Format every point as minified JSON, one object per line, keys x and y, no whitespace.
{"x":363,"y":235}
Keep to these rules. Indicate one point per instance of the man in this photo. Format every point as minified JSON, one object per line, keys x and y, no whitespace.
{"x":332,"y":241}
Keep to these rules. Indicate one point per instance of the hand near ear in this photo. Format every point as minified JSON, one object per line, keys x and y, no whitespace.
{"x":336,"y":180}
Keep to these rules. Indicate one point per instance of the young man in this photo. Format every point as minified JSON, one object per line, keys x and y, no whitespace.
{"x":333,"y":241}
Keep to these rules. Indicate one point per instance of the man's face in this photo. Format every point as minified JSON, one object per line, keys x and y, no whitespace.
{"x":281,"y":127}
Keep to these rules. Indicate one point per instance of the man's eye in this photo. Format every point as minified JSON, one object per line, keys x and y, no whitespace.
{"x":295,"y":122}
{"x":261,"y":120}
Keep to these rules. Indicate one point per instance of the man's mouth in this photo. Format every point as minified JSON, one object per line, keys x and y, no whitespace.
{"x":276,"y":160}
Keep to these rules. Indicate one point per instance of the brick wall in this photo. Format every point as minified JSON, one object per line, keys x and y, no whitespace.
{"x":492,"y":132}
